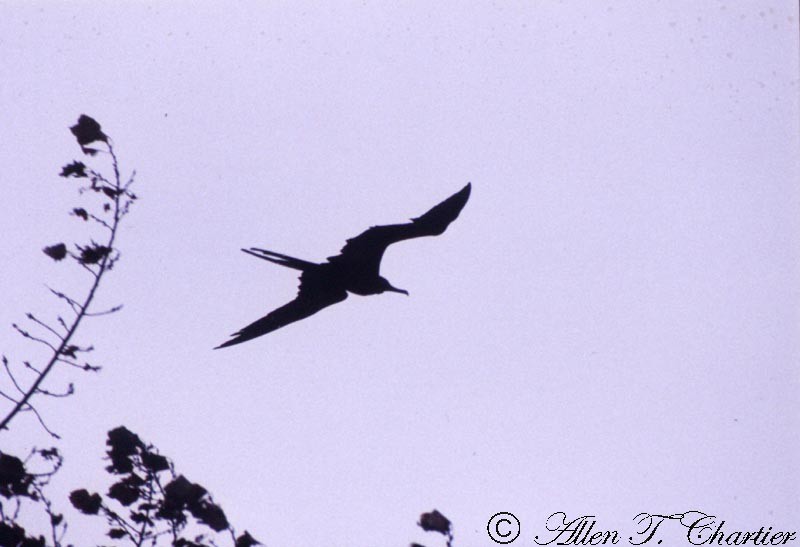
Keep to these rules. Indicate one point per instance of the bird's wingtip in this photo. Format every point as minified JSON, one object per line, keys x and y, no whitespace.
{"x":230,"y":342}
{"x":463,"y":194}
{"x":236,"y":338}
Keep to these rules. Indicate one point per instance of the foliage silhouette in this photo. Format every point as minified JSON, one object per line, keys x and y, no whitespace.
{"x":18,"y":483}
{"x":436,"y":522}
{"x":158,"y":502}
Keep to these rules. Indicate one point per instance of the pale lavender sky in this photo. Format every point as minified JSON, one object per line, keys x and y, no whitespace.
{"x":610,"y":327}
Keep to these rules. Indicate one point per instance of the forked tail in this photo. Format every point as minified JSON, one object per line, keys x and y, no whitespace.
{"x":277,"y":258}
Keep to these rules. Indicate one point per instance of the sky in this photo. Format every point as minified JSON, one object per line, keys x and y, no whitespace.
{"x":609,"y":328}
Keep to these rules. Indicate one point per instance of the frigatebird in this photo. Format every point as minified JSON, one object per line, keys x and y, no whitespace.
{"x":355,"y":269}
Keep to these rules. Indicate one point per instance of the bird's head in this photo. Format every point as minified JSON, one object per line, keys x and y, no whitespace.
{"x":386,"y":286}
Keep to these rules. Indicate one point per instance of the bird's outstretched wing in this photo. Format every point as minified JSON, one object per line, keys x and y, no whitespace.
{"x":364,"y":252}
{"x":313,"y":296}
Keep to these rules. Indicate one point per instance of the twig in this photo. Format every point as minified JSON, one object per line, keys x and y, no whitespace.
{"x":29,"y":407}
{"x":72,"y":303}
{"x":109,"y":311}
{"x":29,"y":336}
{"x":11,"y":376}
{"x":43,"y":325}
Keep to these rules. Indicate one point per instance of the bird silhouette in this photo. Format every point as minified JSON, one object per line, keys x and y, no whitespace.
{"x":355,"y":269}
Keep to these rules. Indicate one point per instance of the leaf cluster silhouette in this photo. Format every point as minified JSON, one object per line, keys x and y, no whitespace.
{"x":18,"y":483}
{"x":148,"y":500}
{"x":75,"y":169}
{"x":436,"y":522}
{"x":87,"y":131}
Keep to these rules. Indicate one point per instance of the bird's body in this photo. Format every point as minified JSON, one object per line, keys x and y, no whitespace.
{"x":355,"y":269}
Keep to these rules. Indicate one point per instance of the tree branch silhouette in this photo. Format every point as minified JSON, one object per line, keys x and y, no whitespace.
{"x":95,"y":258}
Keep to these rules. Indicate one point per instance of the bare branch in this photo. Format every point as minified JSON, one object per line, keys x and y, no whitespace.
{"x":11,"y":376}
{"x":89,"y":269}
{"x":29,"y":336}
{"x":130,"y":181}
{"x":70,"y":390}
{"x":70,"y":363}
{"x":96,"y":176}
{"x":96,"y":259}
{"x":29,"y":407}
{"x":109,"y":311}
{"x":62,"y":323}
{"x":44,"y":325}
{"x":72,"y":303}
{"x":100,"y":221}
{"x":7,"y":396}
{"x":29,"y":366}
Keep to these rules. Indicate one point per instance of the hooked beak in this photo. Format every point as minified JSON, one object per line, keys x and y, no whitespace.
{"x":395,"y":289}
